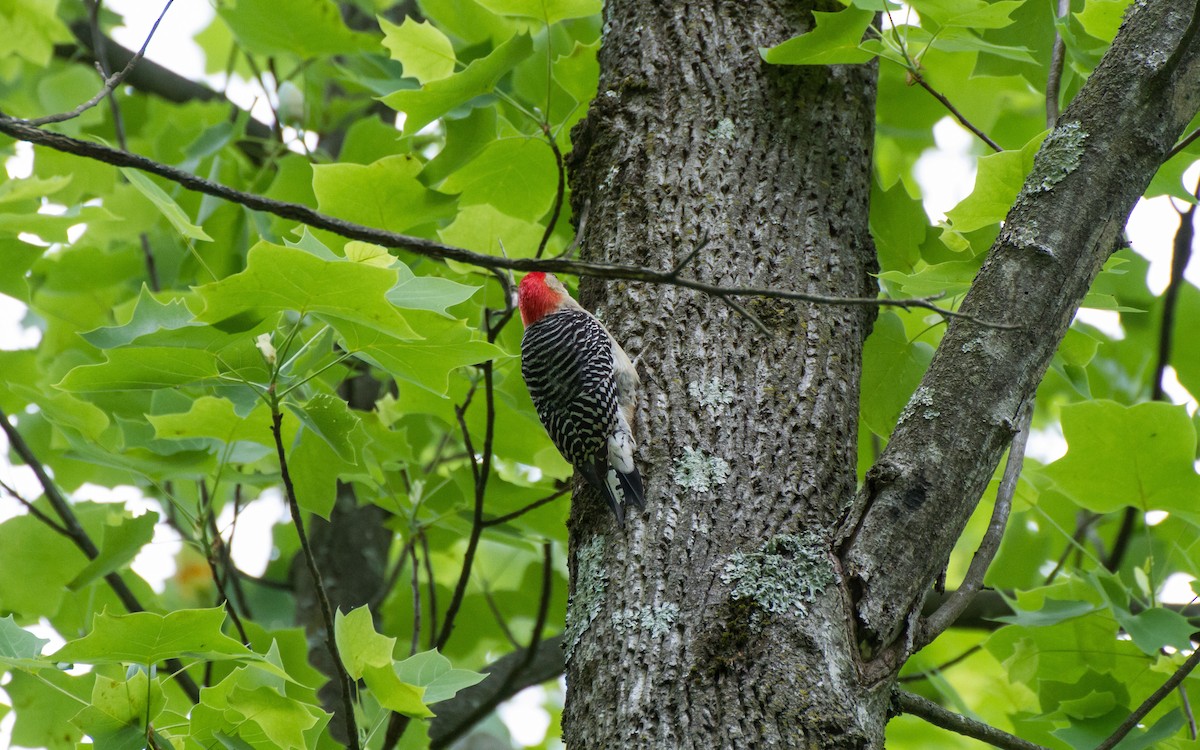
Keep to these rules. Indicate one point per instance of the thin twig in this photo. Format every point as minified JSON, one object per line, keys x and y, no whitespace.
{"x":347,"y":684}
{"x":522,"y":511}
{"x":910,"y":703}
{"x":558,"y":194}
{"x":21,"y":130}
{"x":1155,"y":698}
{"x":432,"y":584}
{"x":110,"y":83}
{"x":951,"y":662}
{"x":33,"y":510}
{"x":211,"y":539}
{"x":84,"y":542}
{"x":914,"y":71}
{"x":1057,"y":57}
{"x":497,"y":615}
{"x":972,"y":582}
{"x":481,"y":469}
{"x":751,"y":317}
{"x":416,"y":595}
{"x":1184,"y":143}
{"x":920,"y":81}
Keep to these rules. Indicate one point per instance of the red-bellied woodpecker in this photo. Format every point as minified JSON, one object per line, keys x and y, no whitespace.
{"x":584,"y":389}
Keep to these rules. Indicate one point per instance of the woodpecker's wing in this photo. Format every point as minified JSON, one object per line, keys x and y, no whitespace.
{"x":583,"y":385}
{"x":567,"y":362}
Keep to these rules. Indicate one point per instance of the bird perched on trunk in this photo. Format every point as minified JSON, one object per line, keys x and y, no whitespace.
{"x":584,"y":389}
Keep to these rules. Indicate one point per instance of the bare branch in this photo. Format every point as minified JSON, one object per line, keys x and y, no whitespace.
{"x":22,"y":130}
{"x":110,"y":82}
{"x":34,"y":511}
{"x":910,"y":703}
{"x":956,"y":602}
{"x":1155,"y":698}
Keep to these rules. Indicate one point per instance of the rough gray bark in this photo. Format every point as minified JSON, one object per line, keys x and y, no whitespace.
{"x":761,"y":602}
{"x":692,"y":135}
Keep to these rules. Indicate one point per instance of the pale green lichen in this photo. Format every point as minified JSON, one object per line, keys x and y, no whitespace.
{"x":784,"y":577}
{"x":588,"y":597}
{"x":698,"y":472}
{"x":1059,"y":157}
{"x":711,"y":394}
{"x":724,"y":130}
{"x":655,"y":620}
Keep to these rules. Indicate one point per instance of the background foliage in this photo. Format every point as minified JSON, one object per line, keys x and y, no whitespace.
{"x":192,"y":348}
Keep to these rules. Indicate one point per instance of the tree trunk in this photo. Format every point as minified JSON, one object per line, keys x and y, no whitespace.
{"x":709,"y":621}
{"x":759,"y":602}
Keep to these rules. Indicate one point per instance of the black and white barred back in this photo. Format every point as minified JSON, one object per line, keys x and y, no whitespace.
{"x":566,"y":359}
{"x":569,"y":367}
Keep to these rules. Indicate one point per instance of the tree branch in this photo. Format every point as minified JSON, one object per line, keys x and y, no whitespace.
{"x":1155,"y":698}
{"x":22,"y":130}
{"x":918,"y":496}
{"x":957,"y":602}
{"x":315,"y":572}
{"x":911,"y":703}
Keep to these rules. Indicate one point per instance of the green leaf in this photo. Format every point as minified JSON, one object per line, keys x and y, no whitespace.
{"x":423,"y":50}
{"x":485,"y":229}
{"x":305,"y":28}
{"x":330,"y":418}
{"x":997,"y":183}
{"x":148,"y":638}
{"x":548,"y":11}
{"x":40,"y":589}
{"x":1053,"y":612}
{"x":165,"y":204}
{"x":385,"y":194}
{"x":18,"y":647}
{"x":892,"y":369}
{"x":448,"y":344}
{"x":359,"y":643}
{"x":122,"y":542}
{"x":1157,"y":627}
{"x":436,"y":98}
{"x":118,"y":715}
{"x":432,"y":293}
{"x":435,"y":673}
{"x":516,"y":175}
{"x":149,"y":316}
{"x":281,"y":719}
{"x":834,"y":40}
{"x":1120,"y":456}
{"x":1102,"y":18}
{"x":132,"y":369}
{"x":968,"y":14}
{"x":31,"y":31}
{"x":283,"y":279}
{"x":214,"y":417}
{"x":368,"y":655}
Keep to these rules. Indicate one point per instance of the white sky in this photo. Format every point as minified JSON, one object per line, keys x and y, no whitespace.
{"x":946,"y":175}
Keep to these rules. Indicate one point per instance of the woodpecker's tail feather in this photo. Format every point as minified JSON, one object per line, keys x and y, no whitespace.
{"x":617,"y":488}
